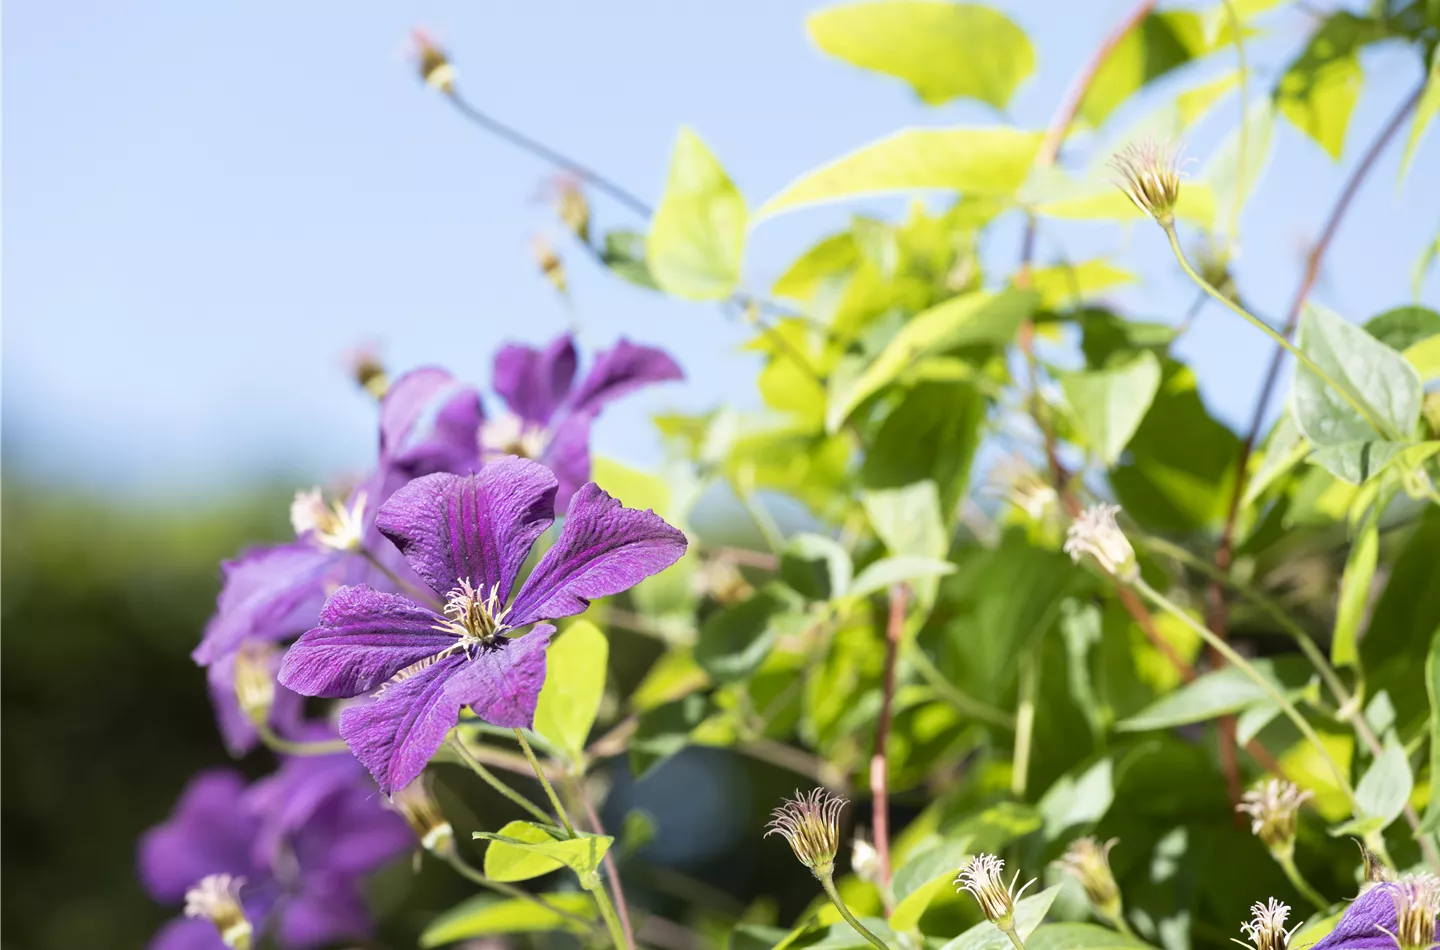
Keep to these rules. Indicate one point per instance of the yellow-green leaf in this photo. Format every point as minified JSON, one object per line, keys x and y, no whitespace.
{"x":1099,"y":201}
{"x":697,"y":238}
{"x":1109,"y":403}
{"x":523,"y":850}
{"x":974,"y":160}
{"x":1319,"y":90}
{"x":1425,"y":357}
{"x":1425,"y":110}
{"x":943,"y":50}
{"x":485,"y":914}
{"x":1064,"y":285}
{"x":1156,"y":45}
{"x":574,"y":685}
{"x":1355,"y":591}
{"x":827,"y":259}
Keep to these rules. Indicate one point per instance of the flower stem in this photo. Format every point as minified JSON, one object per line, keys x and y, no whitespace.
{"x":291,"y":747}
{"x":1287,"y":864}
{"x":1227,"y":651}
{"x":1024,"y":725}
{"x":550,"y":792}
{"x":1185,"y":265}
{"x":494,"y":781}
{"x":827,"y":881}
{"x":879,"y":762}
{"x":607,"y":911}
{"x":473,"y":875}
{"x":612,"y":870}
{"x":963,"y":702}
{"x":1014,"y":936}
{"x":1117,"y":920}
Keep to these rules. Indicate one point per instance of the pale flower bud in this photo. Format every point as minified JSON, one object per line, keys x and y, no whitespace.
{"x":1095,"y":532}
{"x":1273,"y":808}
{"x":1149,"y":173}
{"x":549,"y":262}
{"x":432,"y":62}
{"x":364,"y":366}
{"x":982,"y":878}
{"x":865,"y":860}
{"x":1266,"y":929}
{"x":255,"y":667}
{"x":811,"y":824}
{"x":217,"y":899}
{"x":1088,"y":862}
{"x":417,"y":805}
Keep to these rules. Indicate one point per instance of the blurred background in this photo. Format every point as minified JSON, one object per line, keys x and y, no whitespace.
{"x":207,"y":204}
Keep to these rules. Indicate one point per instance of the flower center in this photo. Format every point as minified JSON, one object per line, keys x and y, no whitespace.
{"x":473,"y":615}
{"x":332,"y":526}
{"x":511,"y":435}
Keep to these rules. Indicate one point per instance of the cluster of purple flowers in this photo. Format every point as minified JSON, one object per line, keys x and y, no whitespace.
{"x":400,"y":594}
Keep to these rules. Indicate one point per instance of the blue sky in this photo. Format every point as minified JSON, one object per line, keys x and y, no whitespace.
{"x":206,"y":203}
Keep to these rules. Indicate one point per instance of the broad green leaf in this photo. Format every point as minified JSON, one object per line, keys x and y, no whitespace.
{"x":674,"y":675}
{"x":624,"y":253}
{"x":1283,"y":451}
{"x":924,"y":876}
{"x":971,"y":160}
{"x":1425,"y":357}
{"x":932,"y":433}
{"x":1359,"y":462}
{"x":910,"y":908}
{"x":1064,"y":285}
{"x":1208,"y":696}
{"x":734,"y":641}
{"x":1319,"y":89}
{"x":697,"y":238}
{"x":1078,"y":800}
{"x":896,"y":569}
{"x":943,"y":50}
{"x":908,"y":519}
{"x":1382,"y":791}
{"x":1193,"y":104}
{"x":1029,"y":914}
{"x":1404,"y":621}
{"x":1083,"y":937}
{"x":1316,"y":931}
{"x":1355,"y":591}
{"x":1156,"y":45}
{"x":1372,"y":373}
{"x":574,"y":684}
{"x":523,"y":850}
{"x":970,"y":319}
{"x":1108,"y":404}
{"x":664,"y":730}
{"x":485,"y":914}
{"x":826,"y":260}
{"x":816,"y":567}
{"x":1424,"y":112}
{"x":1402,"y":327}
{"x":1432,"y":688}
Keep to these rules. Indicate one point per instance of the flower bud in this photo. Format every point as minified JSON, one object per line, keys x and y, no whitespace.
{"x":417,"y":805}
{"x":549,"y":262}
{"x":1417,"y":901}
{"x":217,"y":899}
{"x":1089,"y":862}
{"x":1266,"y":929}
{"x":865,"y":860}
{"x":364,"y":366}
{"x":1273,"y":809}
{"x":981,"y":877}
{"x":432,"y":63}
{"x":1096,"y":533}
{"x":256,"y":664}
{"x":1150,"y":177}
{"x":811,"y":825}
{"x":572,"y":207}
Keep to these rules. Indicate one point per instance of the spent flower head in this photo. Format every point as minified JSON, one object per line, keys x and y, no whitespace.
{"x":1417,"y":902}
{"x":1272,"y":809}
{"x":1266,"y":928}
{"x":1373,"y":870}
{"x":1149,"y":173}
{"x":1089,"y":862}
{"x":432,"y":62}
{"x":982,"y":878}
{"x":216,"y":897}
{"x":1095,"y":532}
{"x":365,"y":367}
{"x":417,"y":805}
{"x":811,"y":825}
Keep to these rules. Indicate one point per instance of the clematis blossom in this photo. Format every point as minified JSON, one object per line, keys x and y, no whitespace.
{"x":1374,"y":920}
{"x":466,"y":537}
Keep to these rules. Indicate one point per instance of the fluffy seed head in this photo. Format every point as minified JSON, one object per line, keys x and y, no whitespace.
{"x":332,"y":526}
{"x":982,"y":878}
{"x":432,"y":62}
{"x":1266,"y":928}
{"x":417,"y":805}
{"x":1417,"y":901}
{"x":1149,"y":174}
{"x":255,"y":665}
{"x":217,"y":898}
{"x":1096,"y":533}
{"x":1089,"y":862}
{"x":1272,"y":809}
{"x":811,"y":825}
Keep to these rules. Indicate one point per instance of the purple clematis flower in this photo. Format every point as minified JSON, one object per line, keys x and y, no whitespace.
{"x":552,"y":416}
{"x":301,"y":841}
{"x":1374,"y":920}
{"x":467,"y":537}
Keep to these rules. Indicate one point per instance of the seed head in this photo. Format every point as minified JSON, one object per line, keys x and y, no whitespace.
{"x":811,"y":824}
{"x":1096,"y":533}
{"x":332,"y":526}
{"x":1266,"y":928}
{"x":545,"y":257}
{"x":1149,"y":173}
{"x":217,"y":899}
{"x":1373,"y":870}
{"x":432,"y":62}
{"x":1417,"y":901}
{"x":416,"y":804}
{"x":1272,"y":809}
{"x":364,"y":366}
{"x":255,"y":666}
{"x":981,"y":877}
{"x":1089,"y":862}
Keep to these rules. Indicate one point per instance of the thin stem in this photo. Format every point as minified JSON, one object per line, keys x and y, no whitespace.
{"x":827,"y":882}
{"x":400,"y":582}
{"x":1228,"y":652}
{"x":291,"y":747}
{"x":950,"y":693}
{"x":1243,"y":72}
{"x":1014,"y":936}
{"x":494,"y":782}
{"x":607,"y":911}
{"x":473,"y":875}
{"x":795,"y":760}
{"x":1287,"y":864}
{"x":1024,"y":725}
{"x":1120,"y":924}
{"x":612,"y":870}
{"x":879,"y":764}
{"x":1378,"y":425}
{"x":545,"y":782}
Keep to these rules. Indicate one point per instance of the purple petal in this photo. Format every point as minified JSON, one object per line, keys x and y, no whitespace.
{"x":568,"y":456}
{"x":477,"y":528}
{"x":429,"y":422}
{"x":501,"y":683}
{"x":207,"y":833}
{"x":395,"y":736}
{"x":186,"y":933}
{"x":268,"y":594}
{"x":352,"y":832}
{"x":622,"y":369}
{"x":605,"y":548}
{"x":1360,"y":928}
{"x":535,"y":382}
{"x":326,"y":909}
{"x":287,"y":800}
{"x":236,"y":728}
{"x":364,"y":638}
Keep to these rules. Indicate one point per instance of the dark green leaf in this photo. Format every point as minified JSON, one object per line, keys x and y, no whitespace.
{"x":1108,"y":404}
{"x":624,"y":253}
{"x":735,"y":640}
{"x":816,"y":567}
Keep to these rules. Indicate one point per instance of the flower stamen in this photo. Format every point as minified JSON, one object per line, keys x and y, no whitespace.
{"x":473,"y":616}
{"x":811,"y":825}
{"x":217,"y":898}
{"x":333,"y":526}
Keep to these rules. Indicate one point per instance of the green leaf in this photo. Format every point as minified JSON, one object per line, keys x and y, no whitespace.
{"x":827,"y":260}
{"x":1358,"y":462}
{"x":899,"y":568}
{"x":1432,"y":688}
{"x":1373,"y":373}
{"x":1424,"y":112}
{"x":1382,"y":791}
{"x":1425,"y":357}
{"x":908,"y":519}
{"x":1108,"y":404}
{"x":1029,"y":914}
{"x":1355,"y":591}
{"x":1404,"y":621}
{"x":1316,"y":931}
{"x":1319,"y":89}
{"x":970,"y":319}
{"x":816,"y":567}
{"x":523,"y":850}
{"x":1402,"y":327}
{"x":734,"y":641}
{"x":486,"y":914}
{"x":574,"y":684}
{"x":1084,"y":937}
{"x":932,"y":433}
{"x":1283,"y":451}
{"x":1210,"y":695}
{"x":972,"y":160}
{"x":664,"y":730}
{"x":1153,"y":47}
{"x":697,"y":239}
{"x":1079,"y":800}
{"x":1064,"y":285}
{"x":1100,"y":200}
{"x":624,"y":253}
{"x":943,"y":50}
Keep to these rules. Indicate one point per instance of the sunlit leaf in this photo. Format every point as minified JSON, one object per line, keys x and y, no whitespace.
{"x":697,"y":238}
{"x":1424,"y":112}
{"x":1382,"y":791}
{"x":1157,"y":44}
{"x":1318,"y":91}
{"x":897,"y":569}
{"x":1359,"y":462}
{"x":1064,"y":285}
{"x":1372,"y":373}
{"x":1100,"y":200}
{"x":486,"y":914}
{"x":908,"y":519}
{"x":574,"y":684}
{"x":826,"y":260}
{"x":1108,"y":404}
{"x":522,"y":850}
{"x":1211,"y":695}
{"x":1082,"y":937}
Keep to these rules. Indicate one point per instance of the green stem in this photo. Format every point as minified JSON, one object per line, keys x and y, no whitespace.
{"x":494,"y":781}
{"x":1014,"y":937}
{"x":1118,"y":920}
{"x":1287,"y":864}
{"x":607,"y":911}
{"x":290,"y":747}
{"x":472,"y":874}
{"x":1380,"y":427}
{"x":1242,"y":72}
{"x":1244,"y":665}
{"x":827,"y":881}
{"x":963,"y":702}
{"x":550,"y":792}
{"x":1024,"y":725}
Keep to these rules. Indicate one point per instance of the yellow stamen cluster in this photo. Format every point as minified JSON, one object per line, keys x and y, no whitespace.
{"x":472,"y":615}
{"x":811,"y":824}
{"x":255,"y":679}
{"x":511,"y":435}
{"x":1417,"y":902}
{"x":217,"y":898}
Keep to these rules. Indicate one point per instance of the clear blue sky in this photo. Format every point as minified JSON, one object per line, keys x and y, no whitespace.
{"x":205,"y":203}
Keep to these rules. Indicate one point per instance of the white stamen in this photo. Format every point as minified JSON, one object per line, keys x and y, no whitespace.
{"x":332,"y":526}
{"x":511,"y":435}
{"x":1096,"y":533}
{"x":217,"y":898}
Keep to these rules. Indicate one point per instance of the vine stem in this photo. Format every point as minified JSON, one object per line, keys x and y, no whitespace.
{"x":611,"y":869}
{"x":474,"y":875}
{"x":828,"y":883}
{"x":879,"y":764}
{"x":549,"y":789}
{"x":607,"y":911}
{"x":1242,"y":71}
{"x":1287,"y":864}
{"x":1024,"y":724}
{"x":494,"y":781}
{"x":291,"y":747}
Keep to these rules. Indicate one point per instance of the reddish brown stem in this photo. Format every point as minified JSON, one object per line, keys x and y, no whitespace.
{"x":617,"y":893}
{"x":879,"y":766}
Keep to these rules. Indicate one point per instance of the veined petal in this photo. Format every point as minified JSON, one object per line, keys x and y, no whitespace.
{"x":568,"y":456}
{"x":209,"y":832}
{"x":395,"y":736}
{"x":268,"y":594}
{"x":1360,"y":928}
{"x":354,"y":834}
{"x":604,"y":548}
{"x":535,"y":382}
{"x":326,"y":909}
{"x":236,"y":729}
{"x":429,"y":423}
{"x":502,"y":681}
{"x":476,"y":528}
{"x":621,"y":369}
{"x":364,"y":638}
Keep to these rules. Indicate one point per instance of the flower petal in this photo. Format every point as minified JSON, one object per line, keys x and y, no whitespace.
{"x":476,"y":528}
{"x":568,"y":456}
{"x":207,"y":833}
{"x":325,"y":910}
{"x":364,"y":638}
{"x":535,"y":382}
{"x":501,"y":683}
{"x":395,"y":736}
{"x":236,"y":729}
{"x":621,"y":369}
{"x":186,"y":933}
{"x":353,"y":834}
{"x":605,"y":548}
{"x":1360,"y":929}
{"x":429,"y":422}
{"x":268,"y":594}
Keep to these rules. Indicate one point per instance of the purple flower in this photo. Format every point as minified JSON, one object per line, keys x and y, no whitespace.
{"x":467,"y":537}
{"x":552,"y":417}
{"x":1373,"y":920}
{"x":300,"y":842}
